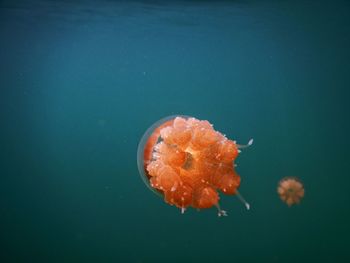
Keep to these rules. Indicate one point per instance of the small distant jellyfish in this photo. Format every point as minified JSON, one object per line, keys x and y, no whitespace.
{"x":185,"y":161}
{"x":291,"y":190}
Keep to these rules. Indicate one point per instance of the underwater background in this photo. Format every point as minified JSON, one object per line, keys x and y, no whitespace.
{"x":81,"y":81}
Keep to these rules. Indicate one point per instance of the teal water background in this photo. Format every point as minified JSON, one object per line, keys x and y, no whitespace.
{"x":81,"y":81}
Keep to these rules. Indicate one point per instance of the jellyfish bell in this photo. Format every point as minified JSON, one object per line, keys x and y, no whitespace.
{"x":185,"y":161}
{"x":291,"y":190}
{"x":146,"y":149}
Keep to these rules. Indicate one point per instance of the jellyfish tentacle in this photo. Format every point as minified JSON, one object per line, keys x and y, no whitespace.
{"x":241,"y":198}
{"x":220,"y":211}
{"x":242,"y":146}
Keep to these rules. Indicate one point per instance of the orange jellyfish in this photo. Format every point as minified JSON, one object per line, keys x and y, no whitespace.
{"x":291,"y":190}
{"x":186,"y":161}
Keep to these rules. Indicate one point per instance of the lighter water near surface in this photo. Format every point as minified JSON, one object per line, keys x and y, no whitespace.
{"x":81,"y":81}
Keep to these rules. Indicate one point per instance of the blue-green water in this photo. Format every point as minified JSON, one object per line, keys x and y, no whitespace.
{"x":81,"y":82}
